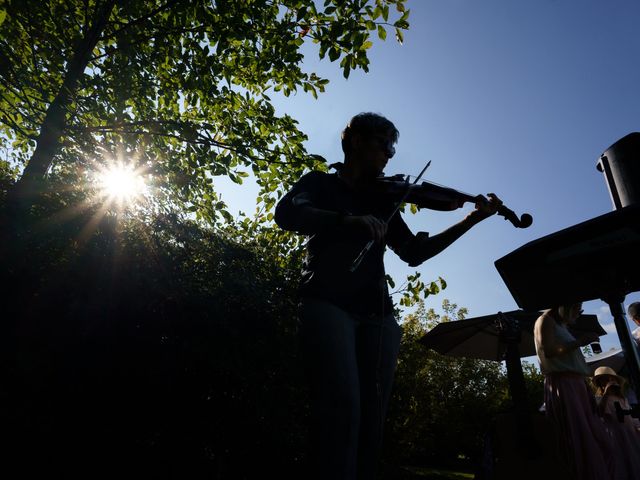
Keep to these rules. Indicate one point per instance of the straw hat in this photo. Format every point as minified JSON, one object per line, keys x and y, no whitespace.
{"x":601,"y":372}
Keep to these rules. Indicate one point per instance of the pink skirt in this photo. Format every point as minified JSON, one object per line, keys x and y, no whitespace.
{"x":582,"y":441}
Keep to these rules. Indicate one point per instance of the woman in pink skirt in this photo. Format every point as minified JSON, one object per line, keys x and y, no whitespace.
{"x":582,"y":442}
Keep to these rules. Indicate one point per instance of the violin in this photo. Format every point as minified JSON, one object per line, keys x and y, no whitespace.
{"x":429,"y":195}
{"x":398,"y":190}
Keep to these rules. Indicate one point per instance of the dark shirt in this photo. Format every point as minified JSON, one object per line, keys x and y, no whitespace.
{"x":331,"y":249}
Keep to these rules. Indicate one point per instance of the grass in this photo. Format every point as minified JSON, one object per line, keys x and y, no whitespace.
{"x":423,"y":473}
{"x":438,"y":473}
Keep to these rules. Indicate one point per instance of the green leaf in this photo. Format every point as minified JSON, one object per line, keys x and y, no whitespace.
{"x":227,"y":216}
{"x":390,"y":281}
{"x":382,"y":33}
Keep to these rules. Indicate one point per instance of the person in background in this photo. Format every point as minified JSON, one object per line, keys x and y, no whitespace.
{"x":582,"y":442}
{"x":625,"y":431}
{"x":634,"y":314}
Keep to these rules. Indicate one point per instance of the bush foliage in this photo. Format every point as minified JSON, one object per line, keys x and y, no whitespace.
{"x":161,"y":347}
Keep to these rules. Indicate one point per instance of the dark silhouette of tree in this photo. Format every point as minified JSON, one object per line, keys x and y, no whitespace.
{"x":155,"y":348}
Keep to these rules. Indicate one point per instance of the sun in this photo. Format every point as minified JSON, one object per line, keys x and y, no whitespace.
{"x":121,"y":183}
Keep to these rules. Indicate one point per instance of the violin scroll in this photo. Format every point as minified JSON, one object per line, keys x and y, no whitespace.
{"x":524,"y":221}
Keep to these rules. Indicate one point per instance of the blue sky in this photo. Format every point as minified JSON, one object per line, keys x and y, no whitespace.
{"x":517,"y":98}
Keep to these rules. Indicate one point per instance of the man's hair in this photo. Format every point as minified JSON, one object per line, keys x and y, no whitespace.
{"x":634,"y":309}
{"x":367,"y":124}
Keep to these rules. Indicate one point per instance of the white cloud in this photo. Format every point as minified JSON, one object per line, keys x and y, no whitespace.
{"x":603,"y":313}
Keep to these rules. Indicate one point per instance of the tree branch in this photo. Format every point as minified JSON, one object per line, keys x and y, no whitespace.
{"x":200,"y":140}
{"x":155,"y":35}
{"x":6,"y":119}
{"x":17,"y":110}
{"x":139,"y":20}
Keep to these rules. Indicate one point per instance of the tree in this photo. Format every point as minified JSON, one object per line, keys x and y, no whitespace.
{"x":156,"y":347}
{"x":441,"y":406}
{"x":180,"y":86}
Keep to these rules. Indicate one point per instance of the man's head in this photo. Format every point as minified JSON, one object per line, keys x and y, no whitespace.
{"x":368,"y":139}
{"x":634,"y":312}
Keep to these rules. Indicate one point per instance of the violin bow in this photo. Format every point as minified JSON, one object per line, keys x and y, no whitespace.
{"x":356,"y":263}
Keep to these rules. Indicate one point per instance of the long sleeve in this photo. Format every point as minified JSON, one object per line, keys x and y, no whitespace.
{"x":415,"y":249}
{"x":297,"y":210}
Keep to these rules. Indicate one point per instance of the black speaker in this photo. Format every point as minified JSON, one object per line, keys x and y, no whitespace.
{"x":620,"y":164}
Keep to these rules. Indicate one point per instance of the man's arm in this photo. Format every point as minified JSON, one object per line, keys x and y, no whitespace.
{"x":426,"y":246}
{"x":301,"y":216}
{"x":297,"y":211}
{"x":422,"y":247}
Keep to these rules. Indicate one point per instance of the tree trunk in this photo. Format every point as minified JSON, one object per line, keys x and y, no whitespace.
{"x":21,"y":196}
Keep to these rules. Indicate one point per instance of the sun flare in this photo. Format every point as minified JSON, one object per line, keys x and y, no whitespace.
{"x":121,"y":183}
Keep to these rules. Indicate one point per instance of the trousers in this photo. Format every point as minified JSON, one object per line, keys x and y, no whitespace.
{"x":350,"y":361}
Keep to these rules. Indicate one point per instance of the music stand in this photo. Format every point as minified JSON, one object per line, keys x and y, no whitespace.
{"x":596,"y":259}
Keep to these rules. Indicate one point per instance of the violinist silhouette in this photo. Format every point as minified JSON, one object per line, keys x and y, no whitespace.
{"x":349,"y":336}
